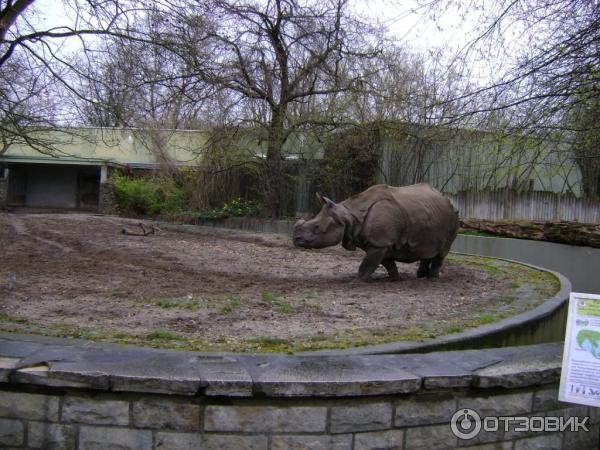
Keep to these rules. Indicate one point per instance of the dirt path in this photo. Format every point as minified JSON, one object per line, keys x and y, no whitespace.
{"x":191,"y":287}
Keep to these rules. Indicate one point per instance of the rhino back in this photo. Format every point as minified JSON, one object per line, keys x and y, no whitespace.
{"x":422,"y":222}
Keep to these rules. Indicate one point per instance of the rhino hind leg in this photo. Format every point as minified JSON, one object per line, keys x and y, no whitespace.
{"x":392,"y":269}
{"x":423,"y":270}
{"x":436,"y":265}
{"x":373,"y":258}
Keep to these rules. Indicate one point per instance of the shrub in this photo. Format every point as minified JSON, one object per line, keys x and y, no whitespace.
{"x":236,"y":207}
{"x":149,"y":196}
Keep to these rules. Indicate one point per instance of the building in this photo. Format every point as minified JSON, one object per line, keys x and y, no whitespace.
{"x":71,"y":173}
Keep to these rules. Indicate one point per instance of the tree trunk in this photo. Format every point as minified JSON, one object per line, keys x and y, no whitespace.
{"x":275,"y":188}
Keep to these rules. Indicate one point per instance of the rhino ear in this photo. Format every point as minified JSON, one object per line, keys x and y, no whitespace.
{"x":322,"y":200}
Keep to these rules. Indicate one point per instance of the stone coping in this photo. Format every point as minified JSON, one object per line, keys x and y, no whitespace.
{"x":63,"y":363}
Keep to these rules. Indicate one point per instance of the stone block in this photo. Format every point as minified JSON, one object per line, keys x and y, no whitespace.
{"x":234,"y":442}
{"x":12,"y":432}
{"x":594,"y":415}
{"x":105,"y":438}
{"x":95,"y":411}
{"x":166,"y":414}
{"x":484,"y":437}
{"x":389,"y":440}
{"x":510,"y":428}
{"x":546,"y":399}
{"x":552,"y":441}
{"x":430,"y":438}
{"x":51,"y":436}
{"x":257,"y":419}
{"x":317,"y":442}
{"x":29,"y":406}
{"x":329,"y":376}
{"x":178,"y":441}
{"x":225,"y":377}
{"x":7,"y":364}
{"x":533,"y":370}
{"x":362,"y":417}
{"x":494,"y":446}
{"x":582,"y":440}
{"x":499,"y":405}
{"x":428,"y":411}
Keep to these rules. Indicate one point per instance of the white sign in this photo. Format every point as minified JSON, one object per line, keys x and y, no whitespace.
{"x":580,"y":376}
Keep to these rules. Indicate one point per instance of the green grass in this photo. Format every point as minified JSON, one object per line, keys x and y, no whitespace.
{"x":165,"y":303}
{"x":281,"y":305}
{"x":455,"y":329}
{"x":162,"y":335}
{"x":487,"y":319}
{"x":13,"y":319}
{"x":233,"y":304}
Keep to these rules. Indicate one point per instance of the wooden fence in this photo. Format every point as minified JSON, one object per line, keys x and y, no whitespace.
{"x":507,"y":204}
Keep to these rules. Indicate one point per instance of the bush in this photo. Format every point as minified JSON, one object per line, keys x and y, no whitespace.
{"x":149,"y":196}
{"x":236,"y":207}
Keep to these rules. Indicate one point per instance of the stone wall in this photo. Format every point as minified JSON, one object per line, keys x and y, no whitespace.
{"x":85,"y":396}
{"x":84,"y":420}
{"x":106,"y":199}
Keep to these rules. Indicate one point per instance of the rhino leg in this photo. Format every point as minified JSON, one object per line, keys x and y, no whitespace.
{"x":423,"y":270}
{"x":392,"y":269}
{"x":373,"y":258}
{"x":436,"y":264}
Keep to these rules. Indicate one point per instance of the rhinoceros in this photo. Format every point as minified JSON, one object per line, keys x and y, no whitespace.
{"x":406,"y":224}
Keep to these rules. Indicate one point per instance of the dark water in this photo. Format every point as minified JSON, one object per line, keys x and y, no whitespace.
{"x":581,"y":265}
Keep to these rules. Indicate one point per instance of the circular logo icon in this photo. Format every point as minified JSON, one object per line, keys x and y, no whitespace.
{"x":465,"y":423}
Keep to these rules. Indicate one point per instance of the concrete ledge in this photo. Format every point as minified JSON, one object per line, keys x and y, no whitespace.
{"x":104,"y":367}
{"x":79,"y":396}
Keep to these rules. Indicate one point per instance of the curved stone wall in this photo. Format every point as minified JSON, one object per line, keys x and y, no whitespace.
{"x":71,"y":395}
{"x":66,"y":394}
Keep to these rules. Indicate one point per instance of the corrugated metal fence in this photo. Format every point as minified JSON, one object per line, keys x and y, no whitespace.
{"x":507,"y":204}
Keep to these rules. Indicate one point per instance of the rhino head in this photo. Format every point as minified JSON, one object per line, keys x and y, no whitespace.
{"x":324,"y":230}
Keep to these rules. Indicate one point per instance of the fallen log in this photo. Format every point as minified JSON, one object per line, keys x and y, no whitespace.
{"x":564,"y":232}
{"x":144,"y":232}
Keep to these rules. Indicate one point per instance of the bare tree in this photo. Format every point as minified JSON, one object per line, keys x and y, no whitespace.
{"x":276,"y":54}
{"x":34,"y":64}
{"x":545,"y":55}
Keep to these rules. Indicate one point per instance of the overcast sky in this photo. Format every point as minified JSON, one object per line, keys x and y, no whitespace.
{"x":408,"y":22}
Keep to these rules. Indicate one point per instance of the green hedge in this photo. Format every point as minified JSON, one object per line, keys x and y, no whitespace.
{"x":149,"y":196}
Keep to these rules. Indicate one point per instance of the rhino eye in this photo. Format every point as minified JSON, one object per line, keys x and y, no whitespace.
{"x":317,"y":227}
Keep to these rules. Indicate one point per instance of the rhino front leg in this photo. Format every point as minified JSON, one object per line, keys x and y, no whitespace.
{"x":392,"y":269}
{"x":373,"y":258}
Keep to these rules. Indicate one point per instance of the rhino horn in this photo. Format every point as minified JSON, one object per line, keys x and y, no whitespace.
{"x":322,"y":200}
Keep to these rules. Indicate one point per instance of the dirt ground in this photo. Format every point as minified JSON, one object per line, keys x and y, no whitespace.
{"x":79,"y":275}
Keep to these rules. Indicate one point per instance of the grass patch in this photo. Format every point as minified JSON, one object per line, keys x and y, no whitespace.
{"x":270,"y":344}
{"x":233,"y":304}
{"x":162,"y":335}
{"x":455,"y":329}
{"x":281,"y":305}
{"x":487,"y":319}
{"x":165,"y":303}
{"x":13,"y":319}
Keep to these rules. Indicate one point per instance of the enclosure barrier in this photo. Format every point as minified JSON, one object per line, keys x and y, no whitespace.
{"x":62,"y":394}
{"x":508,"y":204}
{"x":67,"y":394}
